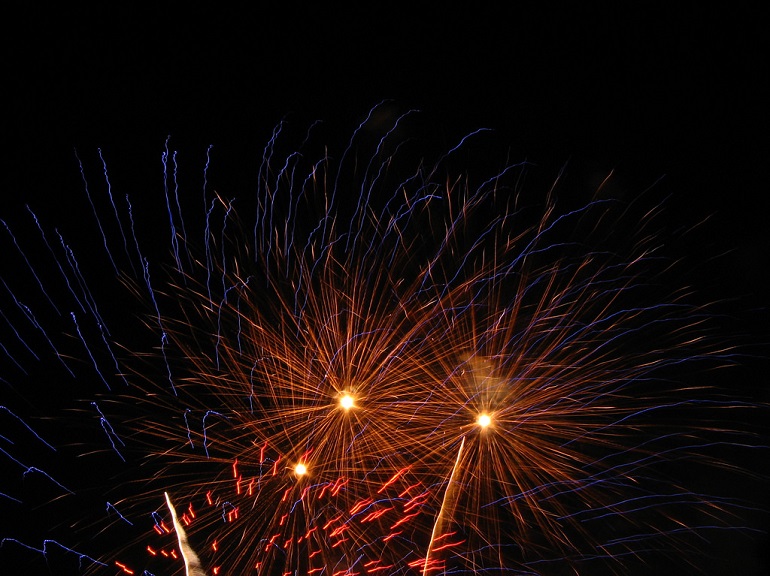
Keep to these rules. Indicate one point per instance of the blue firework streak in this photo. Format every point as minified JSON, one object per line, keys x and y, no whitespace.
{"x":372,"y":362}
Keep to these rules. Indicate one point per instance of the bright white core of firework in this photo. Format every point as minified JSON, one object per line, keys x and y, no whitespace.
{"x":346,"y":402}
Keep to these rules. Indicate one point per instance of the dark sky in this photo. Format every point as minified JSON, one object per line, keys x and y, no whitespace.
{"x":649,"y":91}
{"x":654,"y":91}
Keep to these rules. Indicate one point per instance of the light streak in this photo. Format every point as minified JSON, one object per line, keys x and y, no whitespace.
{"x":446,"y":510}
{"x":191,"y":562}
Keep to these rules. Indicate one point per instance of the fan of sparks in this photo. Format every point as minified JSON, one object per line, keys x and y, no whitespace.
{"x":369,"y":365}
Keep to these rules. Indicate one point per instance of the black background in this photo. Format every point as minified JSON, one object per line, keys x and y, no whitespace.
{"x":651,"y":92}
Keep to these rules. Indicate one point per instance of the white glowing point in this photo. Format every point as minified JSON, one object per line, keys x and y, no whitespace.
{"x":346,"y":402}
{"x":484,"y":420}
{"x":300,"y":469}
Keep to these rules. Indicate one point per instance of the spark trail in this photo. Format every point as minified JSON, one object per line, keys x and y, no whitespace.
{"x":192,"y":565}
{"x":447,"y":507}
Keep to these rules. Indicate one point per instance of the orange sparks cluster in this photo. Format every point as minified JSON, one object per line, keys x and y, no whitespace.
{"x":376,"y":369}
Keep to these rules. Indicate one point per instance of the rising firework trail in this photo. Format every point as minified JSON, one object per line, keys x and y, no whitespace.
{"x":370,"y":361}
{"x":192,"y":565}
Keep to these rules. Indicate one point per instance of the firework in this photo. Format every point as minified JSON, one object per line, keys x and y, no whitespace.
{"x":371,"y":365}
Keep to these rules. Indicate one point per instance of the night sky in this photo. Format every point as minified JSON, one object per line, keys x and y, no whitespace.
{"x":653,"y":92}
{"x":675,"y":97}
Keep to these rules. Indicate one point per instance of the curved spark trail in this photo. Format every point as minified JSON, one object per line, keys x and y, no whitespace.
{"x":192,"y":565}
{"x":447,"y":506}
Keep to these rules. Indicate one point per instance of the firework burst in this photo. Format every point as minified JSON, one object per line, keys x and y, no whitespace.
{"x":370,"y":366}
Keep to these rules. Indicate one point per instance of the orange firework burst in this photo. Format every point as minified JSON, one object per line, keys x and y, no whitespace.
{"x":396,"y":372}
